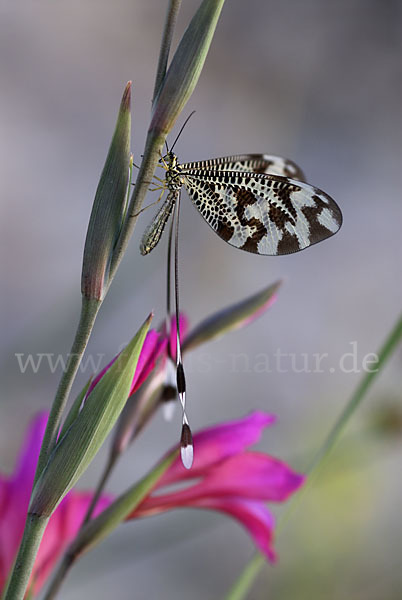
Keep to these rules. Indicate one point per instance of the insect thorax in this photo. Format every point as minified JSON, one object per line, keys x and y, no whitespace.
{"x":173,"y":181}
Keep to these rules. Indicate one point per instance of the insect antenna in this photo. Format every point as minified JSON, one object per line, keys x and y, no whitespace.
{"x":180,"y":132}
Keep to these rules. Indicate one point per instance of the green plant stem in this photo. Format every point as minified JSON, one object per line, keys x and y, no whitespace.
{"x":35,"y":524}
{"x":246,"y":579}
{"x":18,"y":583}
{"x":154,"y":143}
{"x":153,"y":146}
{"x":170,"y":22}
{"x":89,"y":310}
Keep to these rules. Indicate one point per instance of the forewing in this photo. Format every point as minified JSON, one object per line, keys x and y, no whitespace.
{"x":251,"y":163}
{"x":264,"y":214}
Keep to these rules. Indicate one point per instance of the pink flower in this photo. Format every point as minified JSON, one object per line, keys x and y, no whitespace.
{"x":154,"y":346}
{"x":227,"y":477}
{"x":230,"y":479}
{"x":15,"y":492}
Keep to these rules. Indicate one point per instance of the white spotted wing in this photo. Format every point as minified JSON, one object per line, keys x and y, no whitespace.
{"x":253,"y":163}
{"x":258,"y":203}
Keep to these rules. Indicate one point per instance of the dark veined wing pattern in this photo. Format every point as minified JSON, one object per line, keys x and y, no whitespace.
{"x":259,"y":203}
{"x":258,"y":212}
{"x":251,"y":163}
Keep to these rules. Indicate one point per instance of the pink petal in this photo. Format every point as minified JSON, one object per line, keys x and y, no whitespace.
{"x":15,"y":493}
{"x":252,"y":514}
{"x":156,"y":346}
{"x":153,"y":346}
{"x":218,"y":442}
{"x":14,"y":499}
{"x":99,"y":376}
{"x":249,"y":475}
{"x":13,"y":512}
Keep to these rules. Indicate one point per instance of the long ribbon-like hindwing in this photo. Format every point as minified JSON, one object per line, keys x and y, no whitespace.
{"x":256,"y":202}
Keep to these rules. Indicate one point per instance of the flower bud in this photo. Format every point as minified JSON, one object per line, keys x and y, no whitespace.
{"x":186,"y":66}
{"x":108,"y":207}
{"x":80,"y":443}
{"x":232,"y":317}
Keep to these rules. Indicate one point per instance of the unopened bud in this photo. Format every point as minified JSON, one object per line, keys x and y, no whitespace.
{"x":108,"y":208}
{"x":186,"y":66}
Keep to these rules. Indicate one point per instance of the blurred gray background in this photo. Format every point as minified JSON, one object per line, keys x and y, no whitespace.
{"x":318,"y":82}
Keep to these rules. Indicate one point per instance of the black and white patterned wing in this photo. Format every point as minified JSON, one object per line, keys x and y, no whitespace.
{"x":259,"y":213}
{"x":251,"y":163}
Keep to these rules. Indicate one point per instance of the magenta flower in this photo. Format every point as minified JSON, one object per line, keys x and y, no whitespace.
{"x":227,"y":477}
{"x":230,"y":479}
{"x":15,"y":492}
{"x":154,"y":346}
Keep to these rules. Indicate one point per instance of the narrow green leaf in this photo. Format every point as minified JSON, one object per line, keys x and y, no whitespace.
{"x":75,"y":408}
{"x":186,"y":66}
{"x":109,"y":206}
{"x":74,"y":452}
{"x":100,"y":527}
{"x":233,"y":317}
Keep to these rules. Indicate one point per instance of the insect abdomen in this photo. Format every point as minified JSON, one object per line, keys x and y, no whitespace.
{"x":154,"y":231}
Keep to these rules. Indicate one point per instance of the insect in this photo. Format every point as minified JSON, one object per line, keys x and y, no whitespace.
{"x":256,"y":202}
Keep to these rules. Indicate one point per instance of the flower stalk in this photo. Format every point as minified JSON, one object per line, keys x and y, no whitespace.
{"x":111,"y":225}
{"x":103,"y":230}
{"x":71,"y":456}
{"x":89,"y":311}
{"x":170,"y":22}
{"x":77,"y":448}
{"x":34,"y":529}
{"x":173,"y":91}
{"x":153,"y":147}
